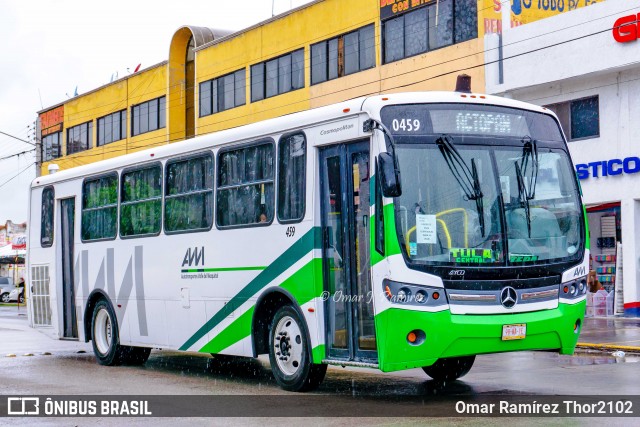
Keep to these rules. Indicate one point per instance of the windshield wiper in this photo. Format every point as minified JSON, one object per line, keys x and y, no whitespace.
{"x":467,"y":178}
{"x":529,"y":150}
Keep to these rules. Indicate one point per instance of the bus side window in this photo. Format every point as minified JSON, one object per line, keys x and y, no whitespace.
{"x":189,"y":194}
{"x":141,"y":201}
{"x":100,"y":207}
{"x":292,"y":157}
{"x":46,"y":218}
{"x":245,"y":193}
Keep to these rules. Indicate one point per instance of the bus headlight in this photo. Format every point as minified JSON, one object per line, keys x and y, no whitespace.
{"x":408,"y":294}
{"x":573,"y":289}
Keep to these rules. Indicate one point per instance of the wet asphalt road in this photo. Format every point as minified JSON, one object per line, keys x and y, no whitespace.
{"x":71,"y":369}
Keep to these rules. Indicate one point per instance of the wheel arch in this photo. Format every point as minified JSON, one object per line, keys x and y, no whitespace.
{"x":266,"y":307}
{"x":95,"y":296}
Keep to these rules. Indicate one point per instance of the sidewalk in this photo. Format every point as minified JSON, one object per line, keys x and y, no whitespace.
{"x":610,"y":334}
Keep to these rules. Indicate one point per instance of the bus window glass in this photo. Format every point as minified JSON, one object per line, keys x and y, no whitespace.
{"x":189,"y":194}
{"x":245,"y":186}
{"x":141,"y":202}
{"x":46,"y":219}
{"x":100,"y":208}
{"x":291,"y":177}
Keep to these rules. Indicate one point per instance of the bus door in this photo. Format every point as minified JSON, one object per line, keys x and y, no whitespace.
{"x":345,"y":205}
{"x":67,"y":227}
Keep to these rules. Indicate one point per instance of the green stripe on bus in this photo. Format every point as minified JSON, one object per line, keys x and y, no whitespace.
{"x":210,"y":270}
{"x":311,"y":240}
{"x":297,"y":284}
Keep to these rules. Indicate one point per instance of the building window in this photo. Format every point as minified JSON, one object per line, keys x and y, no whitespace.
{"x":112,"y":127}
{"x":141,"y":201}
{"x":416,"y":32}
{"x":100,"y":208}
{"x":80,"y":138}
{"x":580,"y":118}
{"x":223,"y":93}
{"x":51,"y":146}
{"x":46,"y":218}
{"x":148,"y":116}
{"x":277,"y":76}
{"x":189,"y":194}
{"x":245,"y":186}
{"x":343,"y":55}
{"x":292,"y":152}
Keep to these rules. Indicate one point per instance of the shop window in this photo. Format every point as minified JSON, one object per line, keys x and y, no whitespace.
{"x":223,"y":93}
{"x":148,"y":116}
{"x":80,"y":138}
{"x":100,"y":208}
{"x":46,"y":218}
{"x":189,"y":194}
{"x":292,"y":157}
{"x":141,"y":201}
{"x":436,"y":25}
{"x":343,"y":55}
{"x":112,"y":127}
{"x":277,"y":76}
{"x":51,"y":146}
{"x":580,"y":118}
{"x":245,"y":194}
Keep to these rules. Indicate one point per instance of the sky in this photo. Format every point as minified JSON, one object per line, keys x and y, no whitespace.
{"x":48,"y":48}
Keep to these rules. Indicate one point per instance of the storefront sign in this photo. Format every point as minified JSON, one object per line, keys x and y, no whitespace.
{"x":51,"y":121}
{"x":627,"y":29}
{"x":389,"y":8}
{"x":19,"y":242}
{"x":604,"y":168}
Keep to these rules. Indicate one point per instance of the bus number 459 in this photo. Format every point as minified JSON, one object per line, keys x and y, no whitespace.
{"x":290,"y":231}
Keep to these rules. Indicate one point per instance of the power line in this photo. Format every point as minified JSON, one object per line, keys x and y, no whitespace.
{"x":16,"y":175}
{"x":19,"y":139}
{"x":17,"y":154}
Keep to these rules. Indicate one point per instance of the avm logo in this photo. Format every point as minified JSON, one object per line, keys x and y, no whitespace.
{"x":193,"y":256}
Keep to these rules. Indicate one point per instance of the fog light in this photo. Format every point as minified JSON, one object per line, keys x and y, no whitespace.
{"x":416,"y":337}
{"x":576,"y":327}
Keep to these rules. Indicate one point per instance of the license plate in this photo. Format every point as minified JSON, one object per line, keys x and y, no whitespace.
{"x":514,"y":332}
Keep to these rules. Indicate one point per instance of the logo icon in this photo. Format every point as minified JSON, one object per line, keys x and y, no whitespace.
{"x":508,"y":297}
{"x":23,"y":406}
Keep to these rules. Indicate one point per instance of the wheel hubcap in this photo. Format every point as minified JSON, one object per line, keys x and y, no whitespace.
{"x":102,"y":331}
{"x":288,"y":345}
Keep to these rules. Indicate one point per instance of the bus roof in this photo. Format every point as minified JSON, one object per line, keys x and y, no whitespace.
{"x":279,"y":125}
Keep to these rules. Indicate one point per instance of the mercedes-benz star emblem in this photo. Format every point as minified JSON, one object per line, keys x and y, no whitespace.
{"x":508,"y":297}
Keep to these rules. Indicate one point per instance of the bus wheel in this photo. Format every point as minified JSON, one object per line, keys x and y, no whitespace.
{"x":290,"y":353}
{"x":450,"y":369}
{"x":104,"y":334}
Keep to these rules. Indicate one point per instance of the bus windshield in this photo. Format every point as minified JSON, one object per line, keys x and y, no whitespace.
{"x":493,"y":196}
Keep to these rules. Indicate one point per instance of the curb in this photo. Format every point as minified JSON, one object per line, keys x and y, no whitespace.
{"x":608,"y":347}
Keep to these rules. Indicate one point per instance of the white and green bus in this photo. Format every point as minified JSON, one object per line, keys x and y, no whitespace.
{"x":392,"y":232}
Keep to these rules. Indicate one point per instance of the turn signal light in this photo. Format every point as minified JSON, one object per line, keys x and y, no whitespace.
{"x":435,"y":295}
{"x":566,"y":289}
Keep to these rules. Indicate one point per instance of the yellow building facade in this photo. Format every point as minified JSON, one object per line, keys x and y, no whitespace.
{"x":318,"y":54}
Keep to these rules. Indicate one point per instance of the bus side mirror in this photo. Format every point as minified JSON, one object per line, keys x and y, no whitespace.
{"x":389,"y":176}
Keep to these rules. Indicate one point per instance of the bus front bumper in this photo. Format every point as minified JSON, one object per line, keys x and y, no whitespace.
{"x":452,"y":335}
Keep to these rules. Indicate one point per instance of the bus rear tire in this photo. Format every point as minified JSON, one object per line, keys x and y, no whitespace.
{"x":105,"y":339}
{"x":450,"y":369}
{"x":290,"y":353}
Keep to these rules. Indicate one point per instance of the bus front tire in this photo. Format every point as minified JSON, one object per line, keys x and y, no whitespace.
{"x":290,"y":353}
{"x":106,"y":341}
{"x":450,"y":369}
